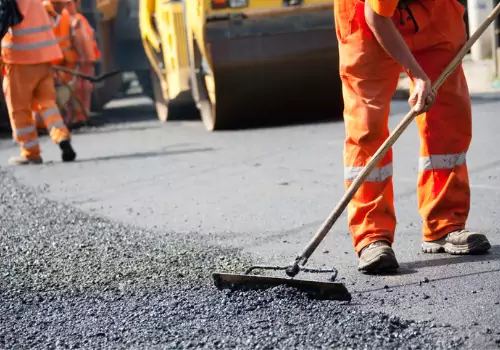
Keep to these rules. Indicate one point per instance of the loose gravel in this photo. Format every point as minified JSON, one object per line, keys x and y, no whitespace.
{"x":71,"y":280}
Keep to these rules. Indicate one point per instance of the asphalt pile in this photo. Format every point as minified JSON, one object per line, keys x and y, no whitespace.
{"x":72,"y":280}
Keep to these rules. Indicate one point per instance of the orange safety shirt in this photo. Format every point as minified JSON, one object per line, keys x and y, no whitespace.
{"x":384,"y":8}
{"x":91,"y":34}
{"x":64,"y":34}
{"x":85,"y":39}
{"x":32,"y":41}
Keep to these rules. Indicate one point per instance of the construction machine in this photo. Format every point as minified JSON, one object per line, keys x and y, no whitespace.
{"x":242,"y":62}
{"x":117,"y":31}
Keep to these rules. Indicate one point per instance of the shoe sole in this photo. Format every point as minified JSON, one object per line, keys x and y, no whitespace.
{"x":25,"y":163}
{"x":382,"y":263}
{"x":480,"y":245}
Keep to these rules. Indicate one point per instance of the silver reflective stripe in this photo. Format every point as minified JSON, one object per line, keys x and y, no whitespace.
{"x":56,"y":125}
{"x":30,"y":144}
{"x":32,"y":46}
{"x":376,"y":175}
{"x":24,"y":131}
{"x":56,"y":20}
{"x":31,"y":30}
{"x":441,"y":161}
{"x":49,"y":112}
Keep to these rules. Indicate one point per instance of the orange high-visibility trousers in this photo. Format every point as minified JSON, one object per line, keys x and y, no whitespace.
{"x":370,"y":77}
{"x":24,"y":86}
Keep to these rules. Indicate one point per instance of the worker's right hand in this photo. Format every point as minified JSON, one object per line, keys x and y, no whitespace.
{"x":423,"y":97}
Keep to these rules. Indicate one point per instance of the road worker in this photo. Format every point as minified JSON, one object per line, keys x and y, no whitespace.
{"x":89,"y":52}
{"x":65,"y":30}
{"x":377,"y":39}
{"x":28,"y":50}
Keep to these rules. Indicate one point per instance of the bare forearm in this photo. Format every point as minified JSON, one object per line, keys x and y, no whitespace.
{"x":391,"y":41}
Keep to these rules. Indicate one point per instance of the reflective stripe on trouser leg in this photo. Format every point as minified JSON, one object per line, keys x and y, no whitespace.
{"x":441,"y":161}
{"x":27,"y":138}
{"x":46,"y":98}
{"x":445,"y":131}
{"x":55,"y":124}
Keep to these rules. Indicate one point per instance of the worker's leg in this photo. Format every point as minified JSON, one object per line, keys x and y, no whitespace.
{"x":45,"y":96}
{"x":369,"y":79}
{"x":18,"y":86}
{"x":67,"y":110}
{"x":37,"y":117}
{"x":77,"y":106}
{"x":86,"y":94}
{"x":445,"y":134}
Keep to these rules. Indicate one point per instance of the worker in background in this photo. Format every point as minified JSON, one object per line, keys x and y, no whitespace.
{"x":89,"y":53}
{"x":378,"y":38}
{"x":28,"y":50}
{"x":65,"y":27}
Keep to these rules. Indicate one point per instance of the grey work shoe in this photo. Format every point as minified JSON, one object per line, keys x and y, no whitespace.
{"x":24,"y":161}
{"x":377,"y":257}
{"x":458,"y":242}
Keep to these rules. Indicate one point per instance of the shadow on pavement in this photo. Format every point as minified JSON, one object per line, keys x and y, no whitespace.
{"x":431,"y":280}
{"x":140,"y":155}
{"x":101,"y":130}
{"x":492,"y":255}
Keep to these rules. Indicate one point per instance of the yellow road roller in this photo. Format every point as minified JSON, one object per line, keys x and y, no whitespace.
{"x":242,"y":62}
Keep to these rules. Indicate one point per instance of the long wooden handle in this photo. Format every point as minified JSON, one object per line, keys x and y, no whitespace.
{"x":339,"y":209}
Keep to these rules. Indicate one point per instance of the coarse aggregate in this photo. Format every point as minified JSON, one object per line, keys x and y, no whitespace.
{"x":72,"y":280}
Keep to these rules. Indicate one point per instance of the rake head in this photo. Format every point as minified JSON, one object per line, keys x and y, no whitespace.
{"x":321,"y":290}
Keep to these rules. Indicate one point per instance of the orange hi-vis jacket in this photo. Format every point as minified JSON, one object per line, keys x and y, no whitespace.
{"x":32,"y":41}
{"x":64,"y":34}
{"x":96,"y":54}
{"x":84,"y":36}
{"x":84,"y":40}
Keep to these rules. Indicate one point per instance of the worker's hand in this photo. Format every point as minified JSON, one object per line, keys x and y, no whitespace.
{"x":75,"y":23}
{"x":423,"y":97}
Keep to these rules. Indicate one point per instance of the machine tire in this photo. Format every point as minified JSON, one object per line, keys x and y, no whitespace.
{"x":206,"y":108}
{"x":167,"y":110}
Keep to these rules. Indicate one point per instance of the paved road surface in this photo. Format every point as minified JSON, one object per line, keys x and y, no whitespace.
{"x":260,"y":193}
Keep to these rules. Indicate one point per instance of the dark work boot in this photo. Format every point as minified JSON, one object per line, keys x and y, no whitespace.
{"x":377,"y":257}
{"x":68,"y":154}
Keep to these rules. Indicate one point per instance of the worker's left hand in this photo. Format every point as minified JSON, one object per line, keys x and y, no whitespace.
{"x":423,"y":96}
